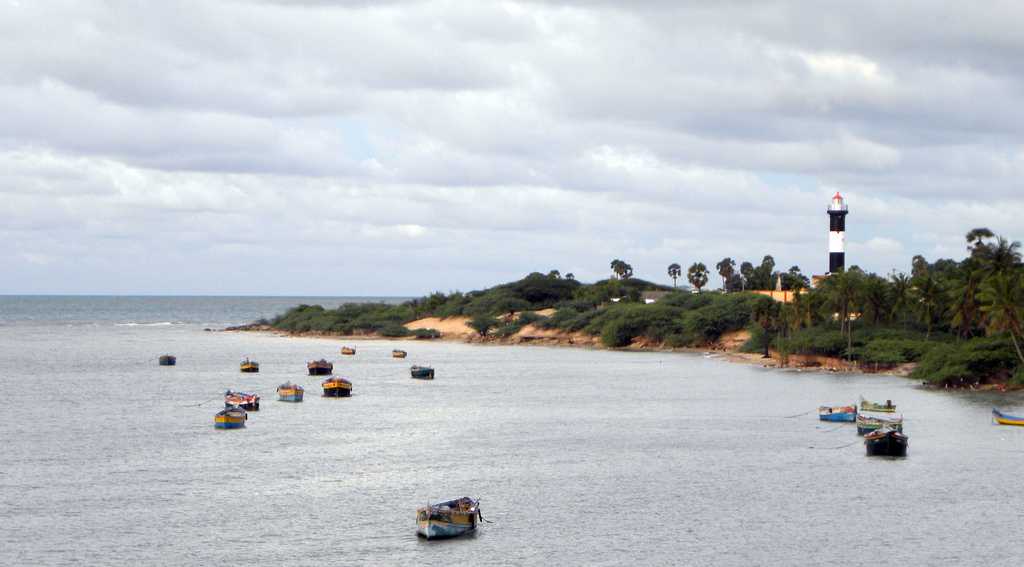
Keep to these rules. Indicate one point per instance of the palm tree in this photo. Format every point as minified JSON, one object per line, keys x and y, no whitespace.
{"x":963,"y":297}
{"x":747,"y":271}
{"x":726,"y":268}
{"x":627,"y":271}
{"x":674,"y":271}
{"x":1002,"y":303}
{"x":766,"y":313}
{"x":1003,"y":256}
{"x":929,"y":296}
{"x":698,"y":275}
{"x":618,"y":267}
{"x":570,"y":276}
{"x":900,"y":291}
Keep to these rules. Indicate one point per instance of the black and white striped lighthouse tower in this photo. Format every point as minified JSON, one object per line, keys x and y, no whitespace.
{"x":837,"y":234}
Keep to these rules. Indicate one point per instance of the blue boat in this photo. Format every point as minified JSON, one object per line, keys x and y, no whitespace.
{"x":838,"y":413}
{"x":230,"y":418}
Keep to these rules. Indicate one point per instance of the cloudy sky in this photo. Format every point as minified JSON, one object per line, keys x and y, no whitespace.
{"x":370,"y":147}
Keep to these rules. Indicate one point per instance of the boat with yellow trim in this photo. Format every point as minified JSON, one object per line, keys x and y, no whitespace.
{"x":399,"y":353}
{"x":448,"y":519}
{"x":319,"y":367}
{"x":348,"y":351}
{"x":1006,"y":419}
{"x":337,"y":387}
{"x":250,"y":366}
{"x":244,"y":400}
{"x":289,"y":392}
{"x":232,"y":417}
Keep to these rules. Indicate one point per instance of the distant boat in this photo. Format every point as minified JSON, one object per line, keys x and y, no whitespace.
{"x":348,"y":351}
{"x":337,"y":387}
{"x":422,"y":372}
{"x":168,"y":360}
{"x":319,"y":367}
{"x":250,"y":366}
{"x":244,"y":400}
{"x":399,"y":353}
{"x":448,"y":519}
{"x":230,"y":418}
{"x":886,"y":442}
{"x":887,"y":407}
{"x":289,"y":392}
{"x":839,"y":413}
{"x":868,"y":423}
{"x":1006,"y":419}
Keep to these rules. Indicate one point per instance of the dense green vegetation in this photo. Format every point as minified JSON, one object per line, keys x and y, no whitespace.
{"x":960,"y":320}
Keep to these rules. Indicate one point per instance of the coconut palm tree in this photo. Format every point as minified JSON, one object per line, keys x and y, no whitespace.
{"x":674,"y":271}
{"x":1002,"y":303}
{"x":726,"y":268}
{"x":698,"y":275}
{"x":618,"y":267}
{"x":899,"y":289}
{"x":929,"y":297}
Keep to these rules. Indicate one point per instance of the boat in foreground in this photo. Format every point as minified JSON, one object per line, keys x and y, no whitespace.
{"x":837,"y":413}
{"x":886,"y":442}
{"x":399,"y":353}
{"x":448,"y":519}
{"x":867,"y":423}
{"x":245,"y":400}
{"x":887,"y":407}
{"x":232,"y":417}
{"x":1006,"y":419}
{"x":319,"y":367}
{"x":289,"y":392}
{"x":422,"y":372}
{"x":337,"y":387}
{"x":250,"y":366}
{"x":348,"y":351}
{"x":168,"y":360}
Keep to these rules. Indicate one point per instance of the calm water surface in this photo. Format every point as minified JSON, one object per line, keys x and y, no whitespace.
{"x":578,"y":456}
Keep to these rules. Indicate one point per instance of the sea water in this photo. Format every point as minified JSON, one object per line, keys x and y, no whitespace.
{"x":578,"y":456}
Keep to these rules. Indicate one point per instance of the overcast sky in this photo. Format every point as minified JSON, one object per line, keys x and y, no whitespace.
{"x":394,"y":148}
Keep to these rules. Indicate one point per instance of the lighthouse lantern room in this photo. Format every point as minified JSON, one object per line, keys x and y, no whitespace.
{"x":837,"y":234}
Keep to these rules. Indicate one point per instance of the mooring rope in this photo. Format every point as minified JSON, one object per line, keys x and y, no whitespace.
{"x":799,"y":414}
{"x":838,"y":446}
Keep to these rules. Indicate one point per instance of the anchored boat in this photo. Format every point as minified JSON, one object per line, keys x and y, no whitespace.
{"x":168,"y":360}
{"x":348,"y":351}
{"x":289,"y":392}
{"x":232,"y":417}
{"x":1006,"y":419}
{"x":448,"y":519}
{"x":399,"y":353}
{"x":422,"y":372}
{"x":244,"y":400}
{"x":886,"y":442}
{"x":837,"y":413}
{"x":250,"y":366}
{"x":319,"y":367}
{"x":337,"y":387}
{"x":867,"y":423}
{"x":887,"y":407}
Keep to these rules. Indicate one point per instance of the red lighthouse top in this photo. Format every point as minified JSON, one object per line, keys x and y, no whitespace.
{"x":838,"y":204}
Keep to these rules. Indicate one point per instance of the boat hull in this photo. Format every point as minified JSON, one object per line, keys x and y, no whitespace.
{"x":1004,"y":419}
{"x":843,"y":417}
{"x":348,"y":351}
{"x":228,"y":424}
{"x":337,"y":392}
{"x":290,"y":397}
{"x":168,"y":361}
{"x":250,"y":369}
{"x":420,"y":373}
{"x":250,"y":406}
{"x":886,"y":446}
{"x":399,"y":354}
{"x":320,"y":371}
{"x":439,"y":529}
{"x":230,"y":419}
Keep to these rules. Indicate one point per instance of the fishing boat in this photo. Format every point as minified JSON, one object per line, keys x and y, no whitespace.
{"x":887,"y":407}
{"x":448,"y":519}
{"x":886,"y":442}
{"x":250,"y":366}
{"x":1006,"y":419}
{"x":422,"y":372}
{"x":348,"y":351}
{"x":399,"y":353}
{"x":867,"y":423}
{"x":168,"y":360}
{"x":337,"y":387}
{"x":289,"y":392}
{"x":837,"y":413}
{"x":319,"y":367}
{"x":245,"y":400}
{"x":232,"y":417}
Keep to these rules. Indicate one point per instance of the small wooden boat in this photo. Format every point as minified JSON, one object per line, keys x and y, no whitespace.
{"x":867,"y":423}
{"x":337,"y":387}
{"x":448,"y":519}
{"x":422,"y":372}
{"x":837,"y":413}
{"x":250,"y":366}
{"x":319,"y":367}
{"x":1006,"y":419}
{"x":244,"y":400}
{"x":232,"y":417}
{"x":886,"y":442}
{"x":887,"y":407}
{"x":348,"y":351}
{"x":168,"y":360}
{"x":289,"y":392}
{"x":399,"y":353}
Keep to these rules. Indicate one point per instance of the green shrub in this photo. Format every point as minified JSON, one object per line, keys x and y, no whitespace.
{"x":426,"y":333}
{"x":967,"y":362}
{"x":394,"y":330}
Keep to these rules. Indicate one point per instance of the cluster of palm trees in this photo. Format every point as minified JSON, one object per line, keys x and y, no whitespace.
{"x":622,"y":270}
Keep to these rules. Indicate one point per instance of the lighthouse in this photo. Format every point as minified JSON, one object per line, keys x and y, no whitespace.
{"x":837,"y":234}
